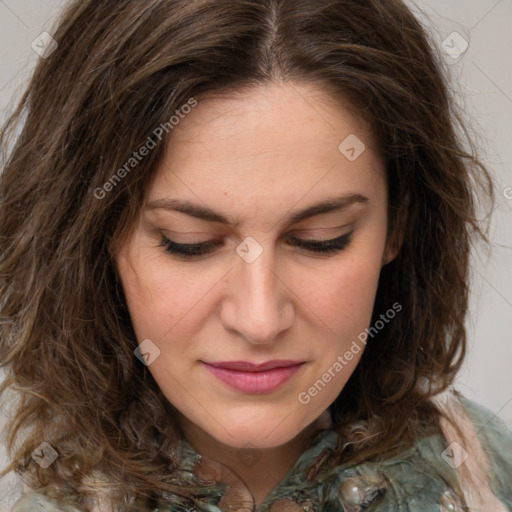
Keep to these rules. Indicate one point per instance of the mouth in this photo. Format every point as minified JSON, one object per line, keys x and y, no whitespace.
{"x":254,"y":378}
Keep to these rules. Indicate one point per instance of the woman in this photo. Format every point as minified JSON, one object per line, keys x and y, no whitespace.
{"x":235,"y":241}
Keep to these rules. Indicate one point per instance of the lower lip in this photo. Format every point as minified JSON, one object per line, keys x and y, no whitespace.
{"x":254,"y":382}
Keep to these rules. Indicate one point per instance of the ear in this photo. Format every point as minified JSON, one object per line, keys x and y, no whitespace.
{"x":394,"y":241}
{"x":396,"y":230}
{"x":391,"y":252}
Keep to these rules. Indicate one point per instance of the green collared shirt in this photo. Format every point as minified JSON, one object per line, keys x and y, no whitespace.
{"x":420,"y":479}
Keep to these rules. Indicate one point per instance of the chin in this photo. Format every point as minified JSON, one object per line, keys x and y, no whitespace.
{"x":254,"y":438}
{"x":261,"y":432}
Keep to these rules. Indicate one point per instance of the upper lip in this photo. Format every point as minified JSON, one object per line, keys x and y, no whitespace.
{"x":252,"y":367}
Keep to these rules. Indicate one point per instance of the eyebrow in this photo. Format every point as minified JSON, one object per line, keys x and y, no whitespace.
{"x":336,"y":204}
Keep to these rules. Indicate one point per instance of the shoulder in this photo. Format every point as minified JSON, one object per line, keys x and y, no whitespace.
{"x":438,"y":473}
{"x":491,"y":431}
{"x":489,"y":447}
{"x":417,"y":480}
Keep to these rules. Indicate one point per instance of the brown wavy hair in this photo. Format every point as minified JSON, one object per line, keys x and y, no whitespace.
{"x":122,"y":69}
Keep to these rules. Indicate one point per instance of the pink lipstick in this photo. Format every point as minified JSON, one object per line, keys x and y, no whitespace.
{"x":254,"y":378}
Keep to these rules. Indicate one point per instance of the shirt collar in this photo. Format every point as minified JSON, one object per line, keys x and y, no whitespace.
{"x":220,"y":479}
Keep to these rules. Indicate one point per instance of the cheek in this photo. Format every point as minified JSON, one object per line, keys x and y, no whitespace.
{"x":345,"y":301}
{"x":345,"y":304}
{"x":157,"y":296}
{"x":143,"y":287}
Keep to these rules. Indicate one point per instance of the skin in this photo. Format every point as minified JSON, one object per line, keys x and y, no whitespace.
{"x":255,"y":156}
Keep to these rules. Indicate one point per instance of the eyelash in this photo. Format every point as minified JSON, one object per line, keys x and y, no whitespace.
{"x":327,"y":247}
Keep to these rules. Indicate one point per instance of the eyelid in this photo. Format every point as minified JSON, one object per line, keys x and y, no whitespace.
{"x":298,"y":236}
{"x":293,"y":232}
{"x":319,"y":232}
{"x":317,"y":236}
{"x":208,"y":238}
{"x":314,"y":247}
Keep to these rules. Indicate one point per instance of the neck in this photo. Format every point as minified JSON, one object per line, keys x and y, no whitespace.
{"x":259,"y":470}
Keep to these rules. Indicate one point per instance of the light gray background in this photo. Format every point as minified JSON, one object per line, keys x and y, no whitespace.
{"x":482,"y":79}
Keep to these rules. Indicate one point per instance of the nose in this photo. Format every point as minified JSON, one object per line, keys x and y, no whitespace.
{"x":258,"y":303}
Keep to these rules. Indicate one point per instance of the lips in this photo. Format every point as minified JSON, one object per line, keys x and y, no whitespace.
{"x":252,"y":367}
{"x":254,"y":377}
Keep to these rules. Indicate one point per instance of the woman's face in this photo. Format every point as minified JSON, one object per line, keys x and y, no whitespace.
{"x":246,"y":166}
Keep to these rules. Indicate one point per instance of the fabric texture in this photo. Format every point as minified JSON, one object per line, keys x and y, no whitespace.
{"x":421,"y":479}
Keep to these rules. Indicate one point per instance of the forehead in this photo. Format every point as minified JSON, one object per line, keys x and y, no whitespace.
{"x":276,"y":142}
{"x":271,"y":116}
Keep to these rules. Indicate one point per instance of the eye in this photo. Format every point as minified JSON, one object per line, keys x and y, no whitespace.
{"x":332,"y":246}
{"x":189,"y":251}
